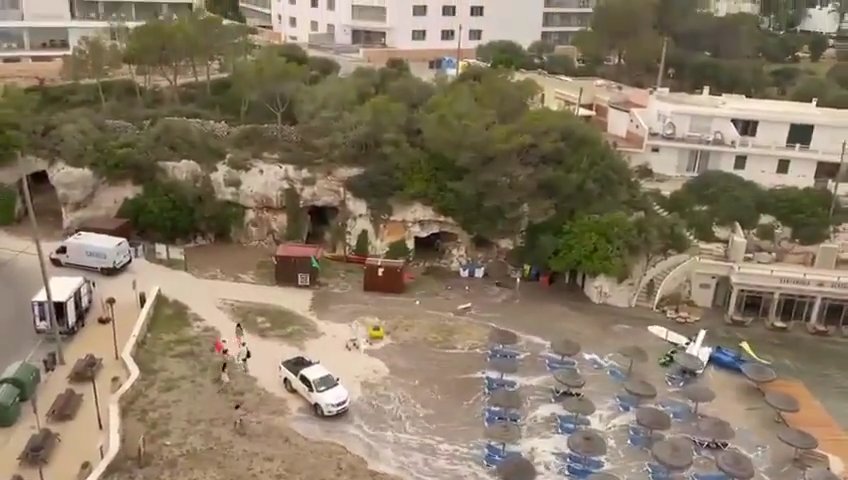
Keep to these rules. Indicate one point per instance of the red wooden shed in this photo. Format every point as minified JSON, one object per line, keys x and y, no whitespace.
{"x":384,"y":275}
{"x":296,"y":264}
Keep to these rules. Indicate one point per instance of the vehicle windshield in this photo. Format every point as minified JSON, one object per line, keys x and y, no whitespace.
{"x":322,"y":384}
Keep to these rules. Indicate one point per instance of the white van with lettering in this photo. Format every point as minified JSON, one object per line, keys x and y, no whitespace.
{"x":93,"y":251}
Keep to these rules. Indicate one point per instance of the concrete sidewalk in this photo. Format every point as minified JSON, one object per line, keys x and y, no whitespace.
{"x":80,"y":438}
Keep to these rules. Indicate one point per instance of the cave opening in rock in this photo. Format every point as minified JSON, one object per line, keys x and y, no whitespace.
{"x":483,"y":244}
{"x":433,"y":246}
{"x":321,"y":219}
{"x":45,"y":202}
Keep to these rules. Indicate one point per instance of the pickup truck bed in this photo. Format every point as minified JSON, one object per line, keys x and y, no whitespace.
{"x":295,"y":364}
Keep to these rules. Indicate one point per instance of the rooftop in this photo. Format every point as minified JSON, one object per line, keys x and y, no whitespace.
{"x":61,"y":289}
{"x":730,"y":105}
{"x":298,"y":250}
{"x":95,"y":239}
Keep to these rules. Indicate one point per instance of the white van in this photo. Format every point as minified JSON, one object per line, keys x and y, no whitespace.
{"x":72,"y":298}
{"x":93,"y":251}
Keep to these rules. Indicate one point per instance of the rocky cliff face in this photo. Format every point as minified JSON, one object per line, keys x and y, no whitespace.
{"x":260,"y":190}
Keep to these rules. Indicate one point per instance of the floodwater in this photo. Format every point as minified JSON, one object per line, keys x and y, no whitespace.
{"x":425,"y":420}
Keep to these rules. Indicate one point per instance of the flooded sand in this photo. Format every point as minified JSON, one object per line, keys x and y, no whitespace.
{"x":425,"y":419}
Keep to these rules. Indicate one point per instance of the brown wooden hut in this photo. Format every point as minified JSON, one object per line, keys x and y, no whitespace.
{"x":296,"y":264}
{"x":384,"y":275}
{"x":116,"y":227}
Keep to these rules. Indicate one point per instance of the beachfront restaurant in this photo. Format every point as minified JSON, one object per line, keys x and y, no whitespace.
{"x":784,"y":294}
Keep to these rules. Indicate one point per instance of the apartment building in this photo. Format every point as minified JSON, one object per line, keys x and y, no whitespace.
{"x":721,"y":8}
{"x":421,"y":29}
{"x":774,"y":143}
{"x":47,"y":29}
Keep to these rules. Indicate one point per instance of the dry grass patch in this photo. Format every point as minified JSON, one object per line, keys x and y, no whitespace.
{"x":271,"y":321}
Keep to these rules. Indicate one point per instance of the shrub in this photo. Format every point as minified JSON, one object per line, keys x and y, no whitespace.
{"x":295,"y":216}
{"x":362,"y":244}
{"x":765,"y":231}
{"x":398,"y":250}
{"x":8,"y":202}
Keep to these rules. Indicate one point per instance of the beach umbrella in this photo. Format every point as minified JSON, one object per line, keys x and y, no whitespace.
{"x":687,"y":361}
{"x":505,"y":399}
{"x":652,"y":419}
{"x":640,"y":388}
{"x":503,"y":432}
{"x":602,"y":476}
{"x":500,"y":336}
{"x":673,"y":453}
{"x":569,"y":378}
{"x":712,"y":428}
{"x":503,"y":365}
{"x":516,"y":467}
{"x":565,"y":347}
{"x":578,"y":405}
{"x":587,"y":443}
{"x":698,"y":394}
{"x":735,"y":464}
{"x":797,"y":439}
{"x":782,"y":402}
{"x":758,"y":373}
{"x":820,"y":473}
{"x":633,"y":353}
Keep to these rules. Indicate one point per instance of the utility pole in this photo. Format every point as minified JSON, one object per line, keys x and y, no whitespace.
{"x":458,"y":48}
{"x":835,"y":198}
{"x":51,"y":308}
{"x":661,"y":73}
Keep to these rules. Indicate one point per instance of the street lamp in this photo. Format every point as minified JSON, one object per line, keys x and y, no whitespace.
{"x":51,"y":308}
{"x":110,"y":302}
{"x":96,"y":402}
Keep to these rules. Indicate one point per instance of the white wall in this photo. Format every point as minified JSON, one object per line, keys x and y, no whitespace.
{"x":46,"y":10}
{"x":821,"y":19}
{"x":618,"y":122}
{"x":703,"y":289}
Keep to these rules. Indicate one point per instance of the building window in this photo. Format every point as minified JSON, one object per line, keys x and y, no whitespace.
{"x":739,"y":162}
{"x":419,"y":35}
{"x":746,"y":128}
{"x":279,"y":18}
{"x":331,"y":5}
{"x":477,"y":11}
{"x":293,"y":38}
{"x":448,"y":35}
{"x":782,"y":166}
{"x":292,"y":2}
{"x":448,"y":10}
{"x":475,"y":34}
{"x":584,"y":3}
{"x":698,"y":161}
{"x":419,"y":10}
{"x":313,"y":26}
{"x":313,"y":3}
{"x":655,"y":149}
{"x":800,"y":134}
{"x":331,"y":28}
{"x":293,"y":22}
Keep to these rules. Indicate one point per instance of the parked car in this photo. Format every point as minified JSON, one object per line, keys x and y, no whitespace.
{"x":316,"y":384}
{"x":93,"y":251}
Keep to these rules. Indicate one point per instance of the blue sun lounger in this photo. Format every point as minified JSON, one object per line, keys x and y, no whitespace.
{"x":657,"y":471}
{"x":498,"y":450}
{"x":574,"y":470}
{"x":709,"y":476}
{"x":495,"y":383}
{"x":676,"y":409}
{"x":626,"y":402}
{"x":491,"y":460}
{"x":554,"y":364}
{"x":498,"y":352}
{"x":594,"y":464}
{"x":575,"y":419}
{"x":493,"y":415}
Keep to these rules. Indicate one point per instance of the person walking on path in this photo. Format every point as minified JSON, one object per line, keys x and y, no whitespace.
{"x":225,"y":377}
{"x":239,"y":333}
{"x":243,"y":355}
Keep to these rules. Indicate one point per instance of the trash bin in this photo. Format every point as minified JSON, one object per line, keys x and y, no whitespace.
{"x":10,"y":404}
{"x":25,"y":376}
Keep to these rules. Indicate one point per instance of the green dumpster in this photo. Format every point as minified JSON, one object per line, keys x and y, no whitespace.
{"x":10,"y":404}
{"x":23,"y":375}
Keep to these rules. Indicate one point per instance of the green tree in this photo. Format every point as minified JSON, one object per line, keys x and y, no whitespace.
{"x":502,"y":53}
{"x":559,"y":64}
{"x":93,"y":59}
{"x":839,"y":74}
{"x":291,"y":52}
{"x":161,"y":46}
{"x":271,"y":81}
{"x":594,"y":245}
{"x":228,"y":9}
{"x":323,"y":67}
{"x":817,"y":45}
{"x":362,"y":247}
{"x":398,"y":250}
{"x":811,"y":88}
{"x":785,"y":78}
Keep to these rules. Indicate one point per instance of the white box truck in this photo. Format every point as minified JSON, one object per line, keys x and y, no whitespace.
{"x":93,"y":251}
{"x":72,"y":298}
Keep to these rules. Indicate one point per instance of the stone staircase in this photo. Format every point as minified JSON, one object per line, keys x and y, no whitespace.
{"x":645,"y":298}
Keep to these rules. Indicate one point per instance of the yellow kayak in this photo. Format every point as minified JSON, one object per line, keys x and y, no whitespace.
{"x":747,"y":348}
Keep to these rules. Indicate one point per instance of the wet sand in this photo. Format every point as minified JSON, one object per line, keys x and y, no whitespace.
{"x":425,"y":418}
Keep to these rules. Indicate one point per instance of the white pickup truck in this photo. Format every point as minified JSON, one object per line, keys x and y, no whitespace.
{"x":316,"y":384}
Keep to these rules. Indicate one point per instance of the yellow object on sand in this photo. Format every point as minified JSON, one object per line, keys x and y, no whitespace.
{"x":376,"y":333}
{"x":747,"y":348}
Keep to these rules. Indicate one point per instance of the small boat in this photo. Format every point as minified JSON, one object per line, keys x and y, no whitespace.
{"x":691,"y":346}
{"x":728,"y":358}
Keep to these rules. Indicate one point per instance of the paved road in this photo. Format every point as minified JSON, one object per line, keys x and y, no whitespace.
{"x":19,"y":281}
